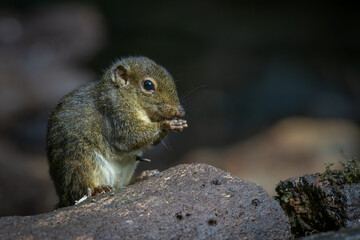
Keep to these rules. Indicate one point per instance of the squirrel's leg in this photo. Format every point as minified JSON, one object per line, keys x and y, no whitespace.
{"x":73,"y":183}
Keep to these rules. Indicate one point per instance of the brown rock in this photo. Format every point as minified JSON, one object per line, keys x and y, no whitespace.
{"x":194,"y":201}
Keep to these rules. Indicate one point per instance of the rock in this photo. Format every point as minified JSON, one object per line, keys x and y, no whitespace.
{"x":322,"y":202}
{"x":195,"y":201}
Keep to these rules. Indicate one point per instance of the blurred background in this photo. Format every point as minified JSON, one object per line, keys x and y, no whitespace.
{"x":271,"y":91}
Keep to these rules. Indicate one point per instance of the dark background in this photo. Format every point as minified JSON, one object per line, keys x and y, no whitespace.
{"x":274,"y":88}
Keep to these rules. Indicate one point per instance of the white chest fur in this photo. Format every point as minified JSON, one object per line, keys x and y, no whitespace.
{"x":107,"y":173}
{"x":114,"y":172}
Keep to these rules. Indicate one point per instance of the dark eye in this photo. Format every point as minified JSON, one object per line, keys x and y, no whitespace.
{"x":148,"y":86}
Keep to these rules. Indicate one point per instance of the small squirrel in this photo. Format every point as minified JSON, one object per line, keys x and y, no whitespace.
{"x":97,"y":132}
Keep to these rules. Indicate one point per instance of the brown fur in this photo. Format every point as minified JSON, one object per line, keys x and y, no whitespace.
{"x":104,"y":125}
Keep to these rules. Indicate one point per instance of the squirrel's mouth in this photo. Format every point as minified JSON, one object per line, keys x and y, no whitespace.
{"x":157,"y":117}
{"x":165,"y":112}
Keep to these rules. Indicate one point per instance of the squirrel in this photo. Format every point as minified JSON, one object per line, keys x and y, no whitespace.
{"x":97,"y":132}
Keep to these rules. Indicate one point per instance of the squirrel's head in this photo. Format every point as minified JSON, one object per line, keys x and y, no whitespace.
{"x":148,"y":83}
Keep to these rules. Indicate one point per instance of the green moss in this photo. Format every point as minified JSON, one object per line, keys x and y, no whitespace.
{"x":349,"y":175}
{"x":285,"y":195}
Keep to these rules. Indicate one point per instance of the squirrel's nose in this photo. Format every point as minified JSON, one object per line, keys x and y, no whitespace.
{"x":180,"y":111}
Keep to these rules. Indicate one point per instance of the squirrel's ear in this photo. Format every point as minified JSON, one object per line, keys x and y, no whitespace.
{"x":121,"y":75}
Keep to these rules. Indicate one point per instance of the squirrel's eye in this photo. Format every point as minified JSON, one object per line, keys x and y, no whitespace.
{"x":148,"y":86}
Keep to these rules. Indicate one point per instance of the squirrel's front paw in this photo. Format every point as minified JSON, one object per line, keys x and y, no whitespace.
{"x":175,"y":125}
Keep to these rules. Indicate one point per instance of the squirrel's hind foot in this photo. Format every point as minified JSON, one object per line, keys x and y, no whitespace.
{"x":101,"y":189}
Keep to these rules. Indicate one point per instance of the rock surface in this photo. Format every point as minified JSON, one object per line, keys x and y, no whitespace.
{"x":195,"y":201}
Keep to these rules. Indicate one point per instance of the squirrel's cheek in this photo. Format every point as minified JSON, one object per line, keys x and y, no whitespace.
{"x":142,"y":115}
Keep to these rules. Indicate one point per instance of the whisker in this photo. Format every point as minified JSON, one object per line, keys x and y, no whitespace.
{"x":186,"y":94}
{"x":163,"y":142}
{"x":187,"y":110}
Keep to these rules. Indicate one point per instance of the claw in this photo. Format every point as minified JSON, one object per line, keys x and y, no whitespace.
{"x":101,"y":189}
